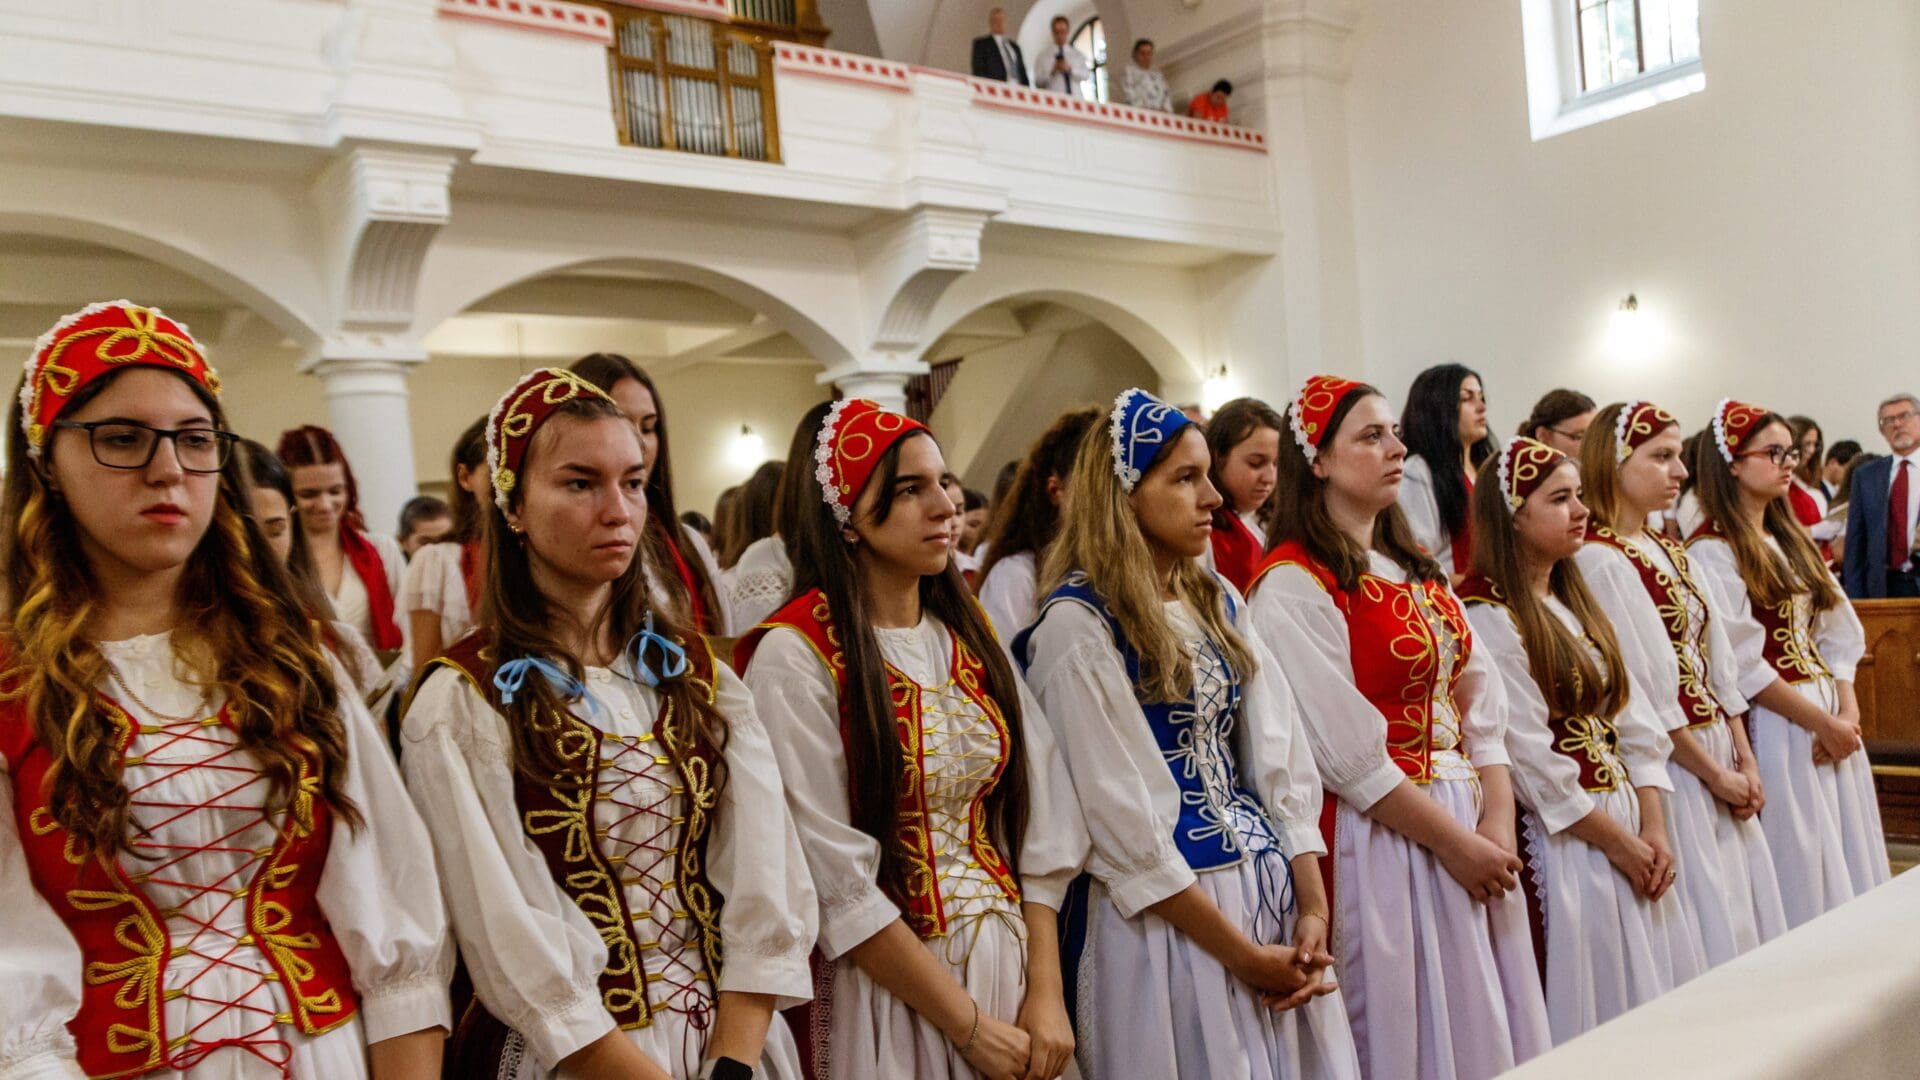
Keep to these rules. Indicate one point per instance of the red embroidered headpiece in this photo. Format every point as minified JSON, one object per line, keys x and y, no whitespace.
{"x":855,"y":435}
{"x":1638,"y":423}
{"x":1524,"y":464}
{"x":1313,"y":408}
{"x":1733,"y":422}
{"x":97,"y":340}
{"x":519,"y":414}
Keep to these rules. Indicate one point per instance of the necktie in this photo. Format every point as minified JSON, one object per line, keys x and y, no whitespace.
{"x":1006,"y":57}
{"x":1067,"y":76}
{"x":1897,"y":541}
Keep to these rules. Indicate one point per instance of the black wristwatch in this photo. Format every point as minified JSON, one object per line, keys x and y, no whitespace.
{"x":725,"y":1069}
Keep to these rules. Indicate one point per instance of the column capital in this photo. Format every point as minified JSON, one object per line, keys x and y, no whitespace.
{"x":385,"y":207}
{"x":907,"y":261}
{"x":881,"y":379}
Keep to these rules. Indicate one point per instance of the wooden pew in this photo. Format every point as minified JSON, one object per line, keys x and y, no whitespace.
{"x":1888,"y":685}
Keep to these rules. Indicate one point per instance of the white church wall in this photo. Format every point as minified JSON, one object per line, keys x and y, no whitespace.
{"x":1768,"y":225}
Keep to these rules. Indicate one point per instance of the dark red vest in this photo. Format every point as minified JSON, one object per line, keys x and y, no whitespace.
{"x":1236,"y":551}
{"x":1670,"y":594}
{"x":1396,"y":661}
{"x":121,"y":1029}
{"x":1788,"y":647}
{"x":922,"y":908}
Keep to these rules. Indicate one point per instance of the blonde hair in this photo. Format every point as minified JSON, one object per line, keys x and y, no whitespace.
{"x":1100,"y":538}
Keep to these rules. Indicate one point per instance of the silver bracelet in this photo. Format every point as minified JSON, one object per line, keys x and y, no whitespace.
{"x":973,"y":1036}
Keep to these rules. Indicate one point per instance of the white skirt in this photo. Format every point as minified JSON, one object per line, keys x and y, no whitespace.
{"x":1608,"y":949}
{"x":1151,"y":1003}
{"x":1438,"y":985}
{"x":876,"y":1036}
{"x":675,"y":1043}
{"x":1726,"y":871}
{"x":1822,"y":821}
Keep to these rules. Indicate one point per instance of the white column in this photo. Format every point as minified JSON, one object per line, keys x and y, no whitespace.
{"x":882,"y":380}
{"x":368,"y":412}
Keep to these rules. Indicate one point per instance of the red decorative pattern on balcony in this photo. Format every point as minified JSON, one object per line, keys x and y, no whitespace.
{"x":554,"y":16}
{"x":829,"y":64}
{"x":1000,"y":95}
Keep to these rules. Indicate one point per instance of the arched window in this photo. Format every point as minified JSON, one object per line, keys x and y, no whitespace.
{"x":1091,"y":40}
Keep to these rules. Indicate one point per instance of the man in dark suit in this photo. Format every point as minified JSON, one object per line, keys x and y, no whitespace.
{"x":997,"y":56}
{"x":1881,"y":511}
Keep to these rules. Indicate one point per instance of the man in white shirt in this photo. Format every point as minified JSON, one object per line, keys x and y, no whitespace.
{"x":1140,"y":85}
{"x":1884,"y":510}
{"x":1065,"y":70}
{"x":997,"y":56}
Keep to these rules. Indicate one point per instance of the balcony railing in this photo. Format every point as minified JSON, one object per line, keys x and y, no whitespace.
{"x":681,"y":82}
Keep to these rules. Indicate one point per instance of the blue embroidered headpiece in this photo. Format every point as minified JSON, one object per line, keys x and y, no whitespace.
{"x":1141,"y":426}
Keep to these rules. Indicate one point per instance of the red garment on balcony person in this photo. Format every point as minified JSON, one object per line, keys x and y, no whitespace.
{"x":207,"y":861}
{"x":1211,"y":105}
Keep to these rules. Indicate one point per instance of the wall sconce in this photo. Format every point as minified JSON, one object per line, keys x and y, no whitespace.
{"x":1629,"y":333}
{"x":1218,"y":389}
{"x":747,"y":450}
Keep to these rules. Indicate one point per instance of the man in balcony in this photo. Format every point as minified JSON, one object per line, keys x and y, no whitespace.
{"x":1066,"y":70}
{"x":1140,"y":85}
{"x":997,"y":56}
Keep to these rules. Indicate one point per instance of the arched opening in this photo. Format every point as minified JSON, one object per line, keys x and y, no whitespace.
{"x":728,"y":364}
{"x":1004,"y":371}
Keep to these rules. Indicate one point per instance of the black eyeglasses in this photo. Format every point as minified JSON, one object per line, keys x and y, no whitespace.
{"x":1783,"y":456}
{"x":1576,"y":436}
{"x":124,"y":444}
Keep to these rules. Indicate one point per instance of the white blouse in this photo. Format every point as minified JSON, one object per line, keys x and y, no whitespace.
{"x":1417,"y":501}
{"x":1642,"y":627}
{"x":1309,"y":635}
{"x":694,"y":544}
{"x":377,"y":888}
{"x":1544,"y":779}
{"x":1010,"y":594}
{"x":351,"y":604}
{"x":1836,"y":632}
{"x":800,"y":706}
{"x":434,"y":583}
{"x":1127,"y":789}
{"x":535,"y":959}
{"x":762,"y":580}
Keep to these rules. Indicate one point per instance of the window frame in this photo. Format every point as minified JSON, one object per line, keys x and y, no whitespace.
{"x":1097,"y":63}
{"x":1557,"y":99}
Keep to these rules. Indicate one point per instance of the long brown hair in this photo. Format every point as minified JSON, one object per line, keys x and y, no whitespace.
{"x":240,"y":627}
{"x":876,"y":764}
{"x":521,"y":622}
{"x":1770,"y":578}
{"x":1561,"y":664}
{"x":310,"y":444}
{"x":1100,"y":537}
{"x":1236,"y":422}
{"x":1027,"y":518}
{"x":1809,"y":468}
{"x":470,"y":453}
{"x":753,"y":510}
{"x":607,"y":370}
{"x":1299,"y":513}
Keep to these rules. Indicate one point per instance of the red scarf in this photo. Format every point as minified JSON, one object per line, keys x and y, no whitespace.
{"x":685,"y":573}
{"x":366,"y":562}
{"x":470,"y":576}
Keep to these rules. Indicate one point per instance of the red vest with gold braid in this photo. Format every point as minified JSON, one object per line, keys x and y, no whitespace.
{"x":923,"y":907}
{"x":1789,"y":647}
{"x":1396,"y":660}
{"x":558,"y":819}
{"x":1675,"y":596}
{"x":1591,"y":742}
{"x":121,"y":1028}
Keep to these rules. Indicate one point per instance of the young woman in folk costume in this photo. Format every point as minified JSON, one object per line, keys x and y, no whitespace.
{"x":440,"y":591}
{"x":763,"y":577}
{"x":1589,"y":752}
{"x":680,"y":563}
{"x":626,"y":886}
{"x":1445,"y":428}
{"x":1198,"y":944}
{"x":1796,"y":641}
{"x":1405,"y":716}
{"x":1026,"y":521}
{"x":270,"y":504}
{"x":1243,"y":439}
{"x":937,"y":818}
{"x":1677,"y":655}
{"x":208,"y":865}
{"x":359,"y":570}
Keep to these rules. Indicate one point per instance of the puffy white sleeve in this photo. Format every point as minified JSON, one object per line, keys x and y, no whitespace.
{"x":358,"y":658}
{"x":1126,"y":793}
{"x":770,"y":916}
{"x":39,"y":966}
{"x":1719,"y":577}
{"x":1545,"y":780}
{"x":1837,"y":633}
{"x":1273,"y":743}
{"x":1480,"y":696}
{"x":1307,"y":636}
{"x":394,"y":561}
{"x":1723,"y":667}
{"x":381,"y":894}
{"x":1644,"y":643}
{"x":423,"y":584}
{"x":1056,"y":846}
{"x":1009,"y":594}
{"x":534,"y":959}
{"x":799,"y":706}
{"x":1423,"y":510}
{"x":761,"y":580}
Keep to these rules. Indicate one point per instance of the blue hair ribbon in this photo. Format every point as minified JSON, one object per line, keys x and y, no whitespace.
{"x":511,"y":676}
{"x":672,"y":657}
